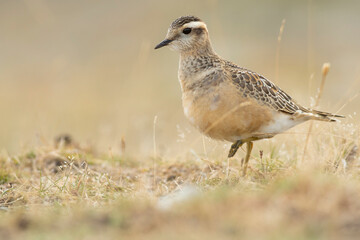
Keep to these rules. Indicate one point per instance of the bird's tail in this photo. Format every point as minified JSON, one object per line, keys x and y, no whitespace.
{"x":322,"y":116}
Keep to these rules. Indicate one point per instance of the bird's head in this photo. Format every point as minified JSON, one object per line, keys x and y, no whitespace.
{"x":186,"y":34}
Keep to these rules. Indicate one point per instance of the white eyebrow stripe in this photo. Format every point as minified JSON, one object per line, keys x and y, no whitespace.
{"x":194,"y":24}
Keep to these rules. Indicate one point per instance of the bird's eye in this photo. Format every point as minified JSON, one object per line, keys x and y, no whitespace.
{"x":187,"y":30}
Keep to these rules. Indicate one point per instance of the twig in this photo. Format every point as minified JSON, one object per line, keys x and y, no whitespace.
{"x":277,"y":57}
{"x":325,"y":71}
{"x":155,"y":153}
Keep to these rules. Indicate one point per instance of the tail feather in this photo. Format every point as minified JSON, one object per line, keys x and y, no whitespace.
{"x":319,"y":115}
{"x":325,"y":116}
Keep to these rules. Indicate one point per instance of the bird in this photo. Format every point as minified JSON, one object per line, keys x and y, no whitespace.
{"x":225,"y":101}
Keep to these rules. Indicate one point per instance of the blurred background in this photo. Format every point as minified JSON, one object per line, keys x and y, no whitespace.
{"x":88,"y":68}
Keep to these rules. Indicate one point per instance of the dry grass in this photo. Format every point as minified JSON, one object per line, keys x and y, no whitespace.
{"x":70,"y":192}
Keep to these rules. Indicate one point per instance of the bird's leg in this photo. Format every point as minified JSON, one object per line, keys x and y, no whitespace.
{"x":234,"y":148}
{"x":249,"y":147}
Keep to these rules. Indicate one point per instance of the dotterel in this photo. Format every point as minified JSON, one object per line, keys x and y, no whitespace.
{"x":226,"y":101}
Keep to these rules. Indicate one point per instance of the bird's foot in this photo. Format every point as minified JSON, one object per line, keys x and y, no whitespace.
{"x":234,"y":147}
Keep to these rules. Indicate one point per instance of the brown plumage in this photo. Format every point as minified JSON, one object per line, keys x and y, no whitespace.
{"x":226,"y":101}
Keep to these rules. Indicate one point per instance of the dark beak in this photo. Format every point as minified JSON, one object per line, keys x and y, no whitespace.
{"x":163,"y":43}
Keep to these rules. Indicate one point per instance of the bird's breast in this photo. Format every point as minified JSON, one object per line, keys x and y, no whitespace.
{"x":222,"y":113}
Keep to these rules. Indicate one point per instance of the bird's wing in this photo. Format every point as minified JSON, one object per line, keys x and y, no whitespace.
{"x":265,"y":92}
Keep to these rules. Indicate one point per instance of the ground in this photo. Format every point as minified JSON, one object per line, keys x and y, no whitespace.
{"x":69,"y":191}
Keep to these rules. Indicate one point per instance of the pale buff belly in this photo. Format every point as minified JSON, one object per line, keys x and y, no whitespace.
{"x":225,"y":115}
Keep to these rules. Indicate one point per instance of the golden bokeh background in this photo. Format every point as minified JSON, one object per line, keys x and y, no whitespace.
{"x":88,"y":68}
